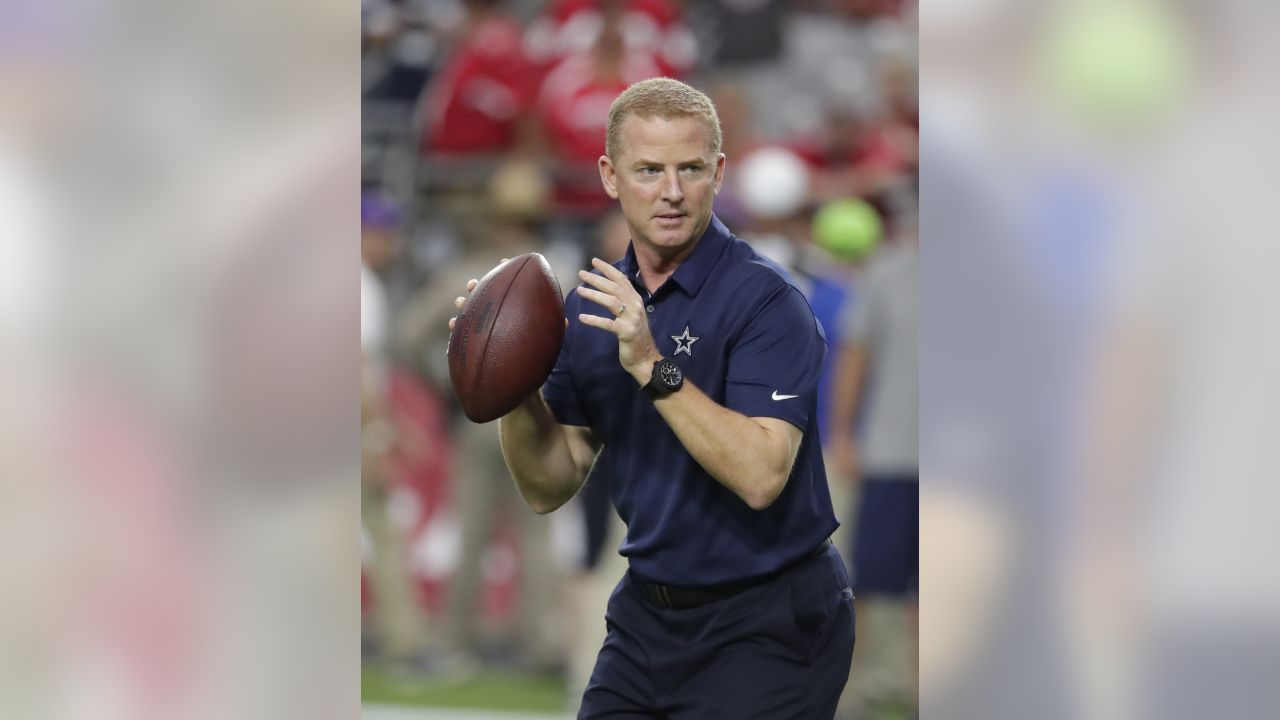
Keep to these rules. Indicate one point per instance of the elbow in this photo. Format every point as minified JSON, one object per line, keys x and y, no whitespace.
{"x":543,"y":504}
{"x":541,"y":493}
{"x":774,"y":464}
{"x":542,"y":507}
{"x":765,"y":493}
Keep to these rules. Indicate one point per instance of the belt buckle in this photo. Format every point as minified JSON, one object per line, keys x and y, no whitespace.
{"x":662,"y":595}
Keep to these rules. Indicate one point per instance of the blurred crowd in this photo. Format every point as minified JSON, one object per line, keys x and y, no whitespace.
{"x":482,"y":124}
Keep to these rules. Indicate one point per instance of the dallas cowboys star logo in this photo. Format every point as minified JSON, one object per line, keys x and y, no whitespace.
{"x":684,"y":343}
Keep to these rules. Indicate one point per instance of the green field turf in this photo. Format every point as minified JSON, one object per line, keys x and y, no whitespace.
{"x":490,"y":690}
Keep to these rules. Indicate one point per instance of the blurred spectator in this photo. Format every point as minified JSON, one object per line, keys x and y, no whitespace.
{"x":739,"y":32}
{"x":772,"y":189}
{"x":379,"y":247}
{"x":737,"y":118}
{"x":484,"y":494}
{"x":655,"y":28}
{"x":399,"y":48}
{"x":876,"y":378}
{"x":832,"y":59}
{"x":857,"y":153}
{"x":397,"y":629}
{"x":574,"y":106}
{"x":741,"y":136}
{"x":868,"y":10}
{"x":377,"y":26}
{"x":473,"y":113}
{"x":474,"y":103}
{"x":901,"y":98}
{"x":516,"y":202}
{"x":614,"y":237}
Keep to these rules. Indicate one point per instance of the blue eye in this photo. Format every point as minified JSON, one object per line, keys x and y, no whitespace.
{"x":649,"y":171}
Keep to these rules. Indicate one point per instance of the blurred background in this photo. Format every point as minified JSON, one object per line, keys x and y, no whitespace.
{"x":482,"y":124}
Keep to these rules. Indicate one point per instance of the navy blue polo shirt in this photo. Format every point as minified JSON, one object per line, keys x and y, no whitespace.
{"x":743,"y":333}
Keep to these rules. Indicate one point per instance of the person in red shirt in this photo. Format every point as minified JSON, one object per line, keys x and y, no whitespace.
{"x":859,"y":153}
{"x":573,"y":27}
{"x":867,"y":10}
{"x":574,"y":106}
{"x":473,"y":106}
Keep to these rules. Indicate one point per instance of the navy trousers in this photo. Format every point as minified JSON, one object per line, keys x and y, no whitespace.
{"x":775,"y":651}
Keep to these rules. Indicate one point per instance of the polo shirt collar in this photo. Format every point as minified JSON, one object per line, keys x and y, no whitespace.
{"x":694,"y":271}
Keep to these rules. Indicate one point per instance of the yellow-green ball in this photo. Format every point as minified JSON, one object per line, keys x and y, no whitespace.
{"x":848,"y":229}
{"x":1117,"y":64}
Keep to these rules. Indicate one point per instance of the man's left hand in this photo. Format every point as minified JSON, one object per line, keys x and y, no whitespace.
{"x":613,"y":292}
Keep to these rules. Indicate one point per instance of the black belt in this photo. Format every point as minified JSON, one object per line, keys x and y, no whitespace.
{"x":683,"y":597}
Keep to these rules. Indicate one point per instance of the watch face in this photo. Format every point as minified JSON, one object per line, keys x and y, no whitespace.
{"x":670,"y":374}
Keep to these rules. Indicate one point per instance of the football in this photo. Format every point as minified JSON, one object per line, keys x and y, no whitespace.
{"x":506,"y":340}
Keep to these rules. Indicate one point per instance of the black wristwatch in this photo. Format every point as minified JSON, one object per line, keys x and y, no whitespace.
{"x":666,"y":379}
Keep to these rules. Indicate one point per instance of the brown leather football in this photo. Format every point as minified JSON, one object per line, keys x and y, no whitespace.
{"x":507,"y":338}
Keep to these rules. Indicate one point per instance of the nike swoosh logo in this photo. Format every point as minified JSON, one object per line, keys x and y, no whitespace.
{"x":776,"y":396}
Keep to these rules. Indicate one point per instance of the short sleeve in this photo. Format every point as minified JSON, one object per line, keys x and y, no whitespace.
{"x":559,"y":391}
{"x":775,"y":363}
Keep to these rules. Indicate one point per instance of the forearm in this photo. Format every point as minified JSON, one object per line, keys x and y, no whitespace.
{"x":740,"y":453}
{"x":538,"y":454}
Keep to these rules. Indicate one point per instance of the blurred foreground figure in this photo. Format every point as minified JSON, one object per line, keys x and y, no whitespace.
{"x":880,"y":354}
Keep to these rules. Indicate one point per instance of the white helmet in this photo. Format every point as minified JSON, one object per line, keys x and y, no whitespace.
{"x":773,"y":183}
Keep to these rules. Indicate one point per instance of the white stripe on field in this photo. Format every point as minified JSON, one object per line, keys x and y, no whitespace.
{"x":400,"y":712}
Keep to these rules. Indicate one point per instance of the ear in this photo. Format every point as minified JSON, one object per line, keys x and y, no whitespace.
{"x":720,"y":161}
{"x":608,"y":177}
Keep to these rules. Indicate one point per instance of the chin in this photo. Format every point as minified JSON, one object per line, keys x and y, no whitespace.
{"x":670,"y":238}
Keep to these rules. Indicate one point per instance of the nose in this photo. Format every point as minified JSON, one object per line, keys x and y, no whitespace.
{"x":671,"y":190}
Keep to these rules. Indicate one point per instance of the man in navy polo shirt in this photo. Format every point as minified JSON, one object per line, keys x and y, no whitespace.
{"x":688,"y":376}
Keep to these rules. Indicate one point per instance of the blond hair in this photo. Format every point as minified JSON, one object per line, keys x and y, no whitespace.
{"x":659,"y":97}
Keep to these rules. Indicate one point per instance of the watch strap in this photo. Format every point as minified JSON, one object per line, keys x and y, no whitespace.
{"x":656,"y":388}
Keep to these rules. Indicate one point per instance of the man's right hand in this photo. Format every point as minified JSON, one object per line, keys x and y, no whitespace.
{"x":548,"y":461}
{"x":461,"y":300}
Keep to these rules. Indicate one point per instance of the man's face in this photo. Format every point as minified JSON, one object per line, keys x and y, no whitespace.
{"x":665,"y":177}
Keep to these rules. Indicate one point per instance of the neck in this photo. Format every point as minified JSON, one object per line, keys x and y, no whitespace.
{"x":656,"y":266}
{"x":654,"y":276}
